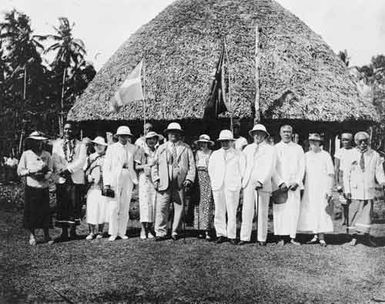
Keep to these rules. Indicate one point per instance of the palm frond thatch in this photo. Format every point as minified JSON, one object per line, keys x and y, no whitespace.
{"x":300,"y":76}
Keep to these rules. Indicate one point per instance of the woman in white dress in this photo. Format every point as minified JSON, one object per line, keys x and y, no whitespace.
{"x":319,"y":177}
{"x":96,"y":203}
{"x":144,"y":160}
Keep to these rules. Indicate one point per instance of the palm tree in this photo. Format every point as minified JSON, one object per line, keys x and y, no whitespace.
{"x":70,"y":53}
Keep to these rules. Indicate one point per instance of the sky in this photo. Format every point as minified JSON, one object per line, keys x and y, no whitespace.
{"x":355,"y":25}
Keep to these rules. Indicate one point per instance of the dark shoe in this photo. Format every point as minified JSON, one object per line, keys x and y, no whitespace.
{"x":261,"y":243}
{"x":174,"y":237}
{"x":233,"y":241}
{"x":241,"y":243}
{"x":370,"y":242}
{"x":62,"y":238}
{"x":221,"y":240}
{"x":73,"y":236}
{"x":160,"y":238}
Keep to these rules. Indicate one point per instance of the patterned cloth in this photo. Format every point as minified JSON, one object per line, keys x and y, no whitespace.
{"x":204,"y":211}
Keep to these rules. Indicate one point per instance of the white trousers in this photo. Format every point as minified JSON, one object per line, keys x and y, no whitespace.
{"x":119,"y":206}
{"x":226,"y":201}
{"x":260,"y":199}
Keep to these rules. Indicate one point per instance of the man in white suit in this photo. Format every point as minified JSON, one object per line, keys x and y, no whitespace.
{"x":260,"y":162}
{"x":68,"y":156}
{"x":226,"y":168}
{"x":289,"y":173}
{"x":119,"y":176}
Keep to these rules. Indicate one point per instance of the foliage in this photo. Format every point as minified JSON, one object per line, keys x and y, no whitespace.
{"x":34,"y":93}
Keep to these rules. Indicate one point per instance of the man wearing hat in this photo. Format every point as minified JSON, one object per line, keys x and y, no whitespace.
{"x":239,"y":141}
{"x":173,"y":172}
{"x":288,"y":175}
{"x":69,"y":156}
{"x":341,"y":157}
{"x":361,"y":174}
{"x":226,"y":169}
{"x":119,"y":176}
{"x":260,"y":161}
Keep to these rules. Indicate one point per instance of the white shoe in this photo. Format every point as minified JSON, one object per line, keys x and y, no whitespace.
{"x":124,"y":237}
{"x":32,"y":241}
{"x":151,"y":236}
{"x":99,"y":236}
{"x":112,"y":238}
{"x":142,"y":234}
{"x":90,"y":237}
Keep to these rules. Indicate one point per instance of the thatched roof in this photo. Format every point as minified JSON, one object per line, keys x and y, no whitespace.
{"x":300,"y":76}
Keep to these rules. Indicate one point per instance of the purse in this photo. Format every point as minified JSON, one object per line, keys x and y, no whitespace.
{"x":108,"y":193}
{"x":279,"y":196}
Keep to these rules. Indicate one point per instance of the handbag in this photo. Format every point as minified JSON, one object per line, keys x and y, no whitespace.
{"x":108,"y":193}
{"x":279,"y":196}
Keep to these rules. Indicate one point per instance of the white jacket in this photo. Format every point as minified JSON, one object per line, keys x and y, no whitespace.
{"x":260,"y":163}
{"x":360,"y":184}
{"x":116,"y":156}
{"x":75,"y":167}
{"x":227,"y":172}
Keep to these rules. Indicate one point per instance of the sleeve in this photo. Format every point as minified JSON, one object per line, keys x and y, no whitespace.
{"x":22,"y":169}
{"x":107,"y":167}
{"x":380,"y":177}
{"x":80,"y":160}
{"x":329,"y":164}
{"x":242,"y":163}
{"x":210,"y":167}
{"x":337,"y":154}
{"x":57,"y":164}
{"x":191,"y":166}
{"x":277,"y":179}
{"x":301,"y":167}
{"x":139,"y":156}
{"x":346,"y":176}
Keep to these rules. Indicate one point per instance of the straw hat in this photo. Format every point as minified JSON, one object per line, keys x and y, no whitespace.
{"x":36,"y":135}
{"x":124,"y":130}
{"x":100,"y":141}
{"x":259,"y":127}
{"x":152,"y":134}
{"x":226,"y":135}
{"x":204,"y":138}
{"x":174,"y":126}
{"x":315,"y":137}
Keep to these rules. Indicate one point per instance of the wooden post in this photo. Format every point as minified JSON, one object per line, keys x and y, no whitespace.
{"x":223,"y":86}
{"x":144,"y":93}
{"x":61,"y":114}
{"x":257,"y":118}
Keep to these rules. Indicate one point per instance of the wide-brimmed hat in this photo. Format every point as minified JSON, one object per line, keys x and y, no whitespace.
{"x":226,"y":135}
{"x":259,"y":127}
{"x":315,"y":137}
{"x":124,"y":130}
{"x":174,"y":126}
{"x":152,"y":134}
{"x":204,"y":138}
{"x":36,"y":135}
{"x":100,"y":141}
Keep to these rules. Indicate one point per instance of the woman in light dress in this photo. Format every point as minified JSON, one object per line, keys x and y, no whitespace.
{"x":96,"y":203}
{"x":144,"y":160}
{"x":319,"y":177}
{"x":204,"y":211}
{"x":36,"y":165}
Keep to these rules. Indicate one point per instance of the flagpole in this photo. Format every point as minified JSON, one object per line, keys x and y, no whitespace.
{"x":144,"y":93}
{"x":229,"y":79}
{"x":257,"y":64}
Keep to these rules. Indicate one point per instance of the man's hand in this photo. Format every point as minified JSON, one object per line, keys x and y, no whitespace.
{"x":258,"y":186}
{"x":107,"y":187}
{"x":156,"y":185}
{"x":293,"y":186}
{"x":283,"y":186}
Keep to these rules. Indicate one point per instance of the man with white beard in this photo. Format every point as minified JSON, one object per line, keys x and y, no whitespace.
{"x":119,"y":176}
{"x":289,"y":173}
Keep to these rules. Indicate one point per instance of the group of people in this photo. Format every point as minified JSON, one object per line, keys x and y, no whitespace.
{"x":299,"y":184}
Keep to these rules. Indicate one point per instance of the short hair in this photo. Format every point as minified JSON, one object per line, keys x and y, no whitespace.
{"x":286,"y":126}
{"x":347,"y":134}
{"x":360,"y":134}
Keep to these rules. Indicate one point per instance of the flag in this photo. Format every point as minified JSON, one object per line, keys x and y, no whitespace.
{"x":216,"y":103}
{"x":130,"y":90}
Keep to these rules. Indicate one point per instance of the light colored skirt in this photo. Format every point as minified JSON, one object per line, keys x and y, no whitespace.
{"x":147,"y":198}
{"x":96,"y":207}
{"x":360,"y":216}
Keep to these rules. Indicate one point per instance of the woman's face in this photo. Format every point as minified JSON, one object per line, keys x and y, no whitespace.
{"x":99,"y":148}
{"x":151,"y":142}
{"x":203,"y":145}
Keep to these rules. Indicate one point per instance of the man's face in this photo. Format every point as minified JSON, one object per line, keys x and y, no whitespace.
{"x":362,"y":143}
{"x":123,"y":139}
{"x":286,"y":133}
{"x":147,"y":128}
{"x":314,"y":145}
{"x":68,"y":132}
{"x":174,"y":136}
{"x":346,"y":142}
{"x":259,"y":136}
{"x":151,"y":142}
{"x":225,"y":144}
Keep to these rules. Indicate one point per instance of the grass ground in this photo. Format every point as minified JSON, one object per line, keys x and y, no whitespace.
{"x":190,"y":271}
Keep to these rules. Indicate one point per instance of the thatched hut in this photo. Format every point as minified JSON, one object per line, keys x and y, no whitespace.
{"x":300,"y":77}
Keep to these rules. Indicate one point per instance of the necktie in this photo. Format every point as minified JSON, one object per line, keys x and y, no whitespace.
{"x":362,"y":162}
{"x":174,"y":155}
